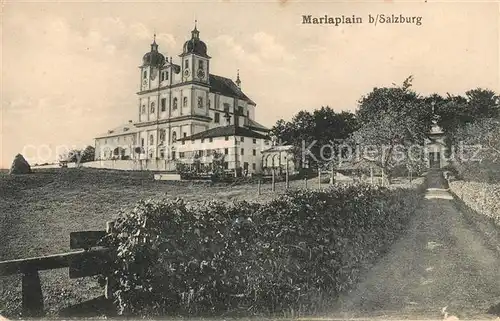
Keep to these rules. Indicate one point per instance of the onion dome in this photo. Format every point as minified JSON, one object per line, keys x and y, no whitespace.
{"x":153,"y":57}
{"x":195,"y":45}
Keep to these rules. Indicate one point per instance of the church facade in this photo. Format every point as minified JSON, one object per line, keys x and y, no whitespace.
{"x":184,"y":112}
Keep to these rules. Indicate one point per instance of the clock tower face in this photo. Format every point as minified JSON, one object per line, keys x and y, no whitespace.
{"x":201,"y":73}
{"x":187,"y":72}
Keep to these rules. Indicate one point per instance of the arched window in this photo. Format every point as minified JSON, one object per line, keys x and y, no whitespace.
{"x":163,"y":134}
{"x":185,"y":102}
{"x":175,"y":103}
{"x":174,"y":136}
{"x":151,"y":139}
{"x":153,"y":107}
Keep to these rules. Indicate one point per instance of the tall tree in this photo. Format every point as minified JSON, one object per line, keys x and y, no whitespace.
{"x":315,"y":135}
{"x":393,"y":121}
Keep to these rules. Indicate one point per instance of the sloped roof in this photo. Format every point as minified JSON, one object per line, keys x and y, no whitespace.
{"x":229,"y":130}
{"x":256,"y":125}
{"x":278,"y":148}
{"x":227,"y":87}
{"x":125,"y":129}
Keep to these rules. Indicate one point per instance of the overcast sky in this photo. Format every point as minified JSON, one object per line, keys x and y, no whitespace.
{"x":69,"y":70}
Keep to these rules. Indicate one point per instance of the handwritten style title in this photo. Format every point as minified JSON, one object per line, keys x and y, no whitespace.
{"x":372,"y":19}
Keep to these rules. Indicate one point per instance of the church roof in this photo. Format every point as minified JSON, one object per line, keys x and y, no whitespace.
{"x":229,"y":130}
{"x":124,"y":129}
{"x":252,"y":124}
{"x":227,"y":87}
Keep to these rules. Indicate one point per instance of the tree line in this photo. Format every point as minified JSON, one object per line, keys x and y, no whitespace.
{"x":392,"y":121}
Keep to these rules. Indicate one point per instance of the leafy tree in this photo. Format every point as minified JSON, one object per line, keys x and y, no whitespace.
{"x":319,"y":133}
{"x":393,"y":122}
{"x":477,"y":151}
{"x":79,"y":155}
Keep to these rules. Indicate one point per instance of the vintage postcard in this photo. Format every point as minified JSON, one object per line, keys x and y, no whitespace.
{"x":323,"y":160}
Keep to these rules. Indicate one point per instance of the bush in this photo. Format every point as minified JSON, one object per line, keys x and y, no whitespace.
{"x":20,"y":165}
{"x":480,"y":197}
{"x":215,"y":257}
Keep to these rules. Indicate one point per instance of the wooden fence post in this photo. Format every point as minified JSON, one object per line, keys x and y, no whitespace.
{"x":273,"y":183}
{"x":32,"y":294}
{"x":287,"y":183}
{"x":110,"y":281}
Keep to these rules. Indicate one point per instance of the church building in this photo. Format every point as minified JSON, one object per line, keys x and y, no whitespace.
{"x":184,"y":112}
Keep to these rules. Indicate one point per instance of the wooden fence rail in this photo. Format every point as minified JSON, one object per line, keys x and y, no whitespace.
{"x":93,"y":258}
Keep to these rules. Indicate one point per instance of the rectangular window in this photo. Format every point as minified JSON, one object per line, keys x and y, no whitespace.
{"x":242,"y":151}
{"x":181,"y":154}
{"x":226,"y":138}
{"x":163,"y":104}
{"x":254,"y":167}
{"x":226,"y":151}
{"x":173,"y":155}
{"x":242,"y":139}
{"x":200,"y":102}
{"x":142,"y":142}
{"x":226,"y":107}
{"x":184,"y":135}
{"x":200,"y":64}
{"x":254,"y":152}
{"x":216,"y":118}
{"x":255,"y":140}
{"x":210,"y":140}
{"x":186,"y":63}
{"x":248,"y":114}
{"x":226,"y":165}
{"x":202,"y":140}
{"x":240,"y":110}
{"x":162,"y":154}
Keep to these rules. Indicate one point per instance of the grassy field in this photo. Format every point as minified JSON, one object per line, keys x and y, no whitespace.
{"x":38,"y":211}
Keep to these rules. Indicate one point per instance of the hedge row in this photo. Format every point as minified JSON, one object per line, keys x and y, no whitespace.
{"x":291,"y":253}
{"x":483,"y":198}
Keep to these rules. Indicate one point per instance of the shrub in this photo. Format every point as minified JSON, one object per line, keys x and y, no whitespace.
{"x":480,"y":197}
{"x":215,"y":257}
{"x":20,"y":165}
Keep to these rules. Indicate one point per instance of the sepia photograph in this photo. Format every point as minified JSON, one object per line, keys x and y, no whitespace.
{"x":250,"y":160}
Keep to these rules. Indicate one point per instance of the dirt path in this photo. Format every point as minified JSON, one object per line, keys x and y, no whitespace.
{"x":441,"y":261}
